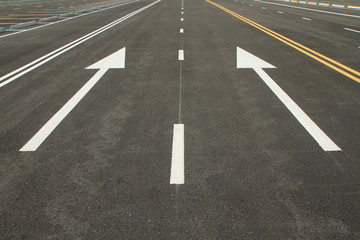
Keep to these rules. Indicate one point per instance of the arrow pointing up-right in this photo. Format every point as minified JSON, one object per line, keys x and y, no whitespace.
{"x":248,"y":60}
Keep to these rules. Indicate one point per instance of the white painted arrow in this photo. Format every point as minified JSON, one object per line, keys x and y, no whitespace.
{"x":115,"y":60}
{"x":248,"y":60}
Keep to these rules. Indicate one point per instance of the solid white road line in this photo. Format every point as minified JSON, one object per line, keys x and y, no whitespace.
{"x":67,"y":19}
{"x":310,"y":9}
{"x":181,"y":55}
{"x":307,"y":19}
{"x":177,"y":158}
{"x":323,"y":140}
{"x":352,"y":30}
{"x":181,"y":30}
{"x":44,"y":59}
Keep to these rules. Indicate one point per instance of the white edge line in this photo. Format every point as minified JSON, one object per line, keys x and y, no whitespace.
{"x":177,"y":157}
{"x":42,"y":60}
{"x":67,"y":19}
{"x":352,"y":30}
{"x":310,"y":9}
{"x":322,"y":139}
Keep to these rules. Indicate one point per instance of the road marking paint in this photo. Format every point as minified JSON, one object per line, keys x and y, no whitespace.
{"x":8,"y":78}
{"x":115,"y":60}
{"x":324,"y":4}
{"x":181,"y":30}
{"x":263,"y":8}
{"x":307,"y":19}
{"x":352,"y":30}
{"x":320,"y":137}
{"x":67,"y":19}
{"x":182,"y":12}
{"x":280,"y":12}
{"x":50,"y":126}
{"x":181,"y":55}
{"x":177,"y":158}
{"x":338,"y":5}
{"x":301,"y":48}
{"x":251,"y":5}
{"x":247,"y":60}
{"x":182,"y":19}
{"x":310,"y":9}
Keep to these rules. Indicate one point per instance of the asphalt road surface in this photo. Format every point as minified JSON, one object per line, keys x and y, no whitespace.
{"x":182,"y":120}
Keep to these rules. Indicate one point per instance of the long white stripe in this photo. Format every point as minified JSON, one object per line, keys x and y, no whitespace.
{"x":310,"y":9}
{"x":47,"y":129}
{"x":352,"y":30}
{"x":67,"y":19}
{"x":323,"y":140}
{"x":177,"y":159}
{"x":40,"y":61}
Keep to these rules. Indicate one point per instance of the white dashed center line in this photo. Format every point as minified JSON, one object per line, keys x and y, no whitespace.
{"x":307,"y":19}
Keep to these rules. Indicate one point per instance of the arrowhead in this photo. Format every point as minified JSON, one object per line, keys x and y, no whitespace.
{"x":248,"y":60}
{"x":115,"y":60}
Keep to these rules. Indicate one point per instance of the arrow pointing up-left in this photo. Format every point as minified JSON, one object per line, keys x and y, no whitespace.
{"x":115,"y":60}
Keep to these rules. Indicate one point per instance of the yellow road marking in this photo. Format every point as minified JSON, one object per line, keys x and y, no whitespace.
{"x":311,"y":53}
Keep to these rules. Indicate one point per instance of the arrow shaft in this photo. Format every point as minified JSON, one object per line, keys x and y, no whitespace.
{"x":50,"y":125}
{"x":323,"y":140}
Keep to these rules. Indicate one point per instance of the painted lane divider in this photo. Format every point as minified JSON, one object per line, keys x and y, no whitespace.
{"x":8,"y":78}
{"x":113,"y":61}
{"x":181,"y":55}
{"x":248,"y":60}
{"x":339,"y":67}
{"x":352,"y":30}
{"x":177,"y":157}
{"x":280,"y":12}
{"x":181,"y":30}
{"x":310,"y":9}
{"x":307,"y":19}
{"x":182,"y":19}
{"x":111,"y":6}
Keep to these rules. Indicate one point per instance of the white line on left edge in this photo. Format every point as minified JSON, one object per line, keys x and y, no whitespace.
{"x":352,"y":30}
{"x":8,"y":78}
{"x":181,"y":55}
{"x":177,"y":158}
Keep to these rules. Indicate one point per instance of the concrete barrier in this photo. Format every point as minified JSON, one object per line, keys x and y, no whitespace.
{"x":68,"y":14}
{"x":82,"y":11}
{"x":53,"y":18}
{"x":22,"y":25}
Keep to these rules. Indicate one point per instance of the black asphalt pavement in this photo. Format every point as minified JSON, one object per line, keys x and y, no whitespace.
{"x":252,"y":171}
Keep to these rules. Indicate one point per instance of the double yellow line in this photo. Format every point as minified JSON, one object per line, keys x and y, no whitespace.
{"x":341,"y":68}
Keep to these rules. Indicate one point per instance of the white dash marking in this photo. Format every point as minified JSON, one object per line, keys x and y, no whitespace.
{"x":182,"y":12}
{"x":263,"y":8}
{"x":181,"y":55}
{"x":352,"y":30}
{"x":182,"y":19}
{"x":280,"y":12}
{"x":307,"y":19}
{"x":181,"y":30}
{"x":177,"y":158}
